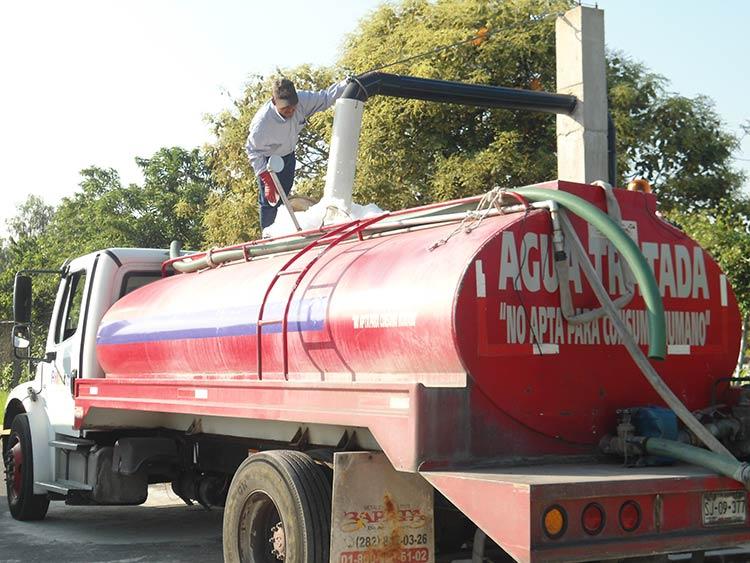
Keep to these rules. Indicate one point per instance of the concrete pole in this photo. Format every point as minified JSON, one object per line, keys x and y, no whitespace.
{"x":582,"y":72}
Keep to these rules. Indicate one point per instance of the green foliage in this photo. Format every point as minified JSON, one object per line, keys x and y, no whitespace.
{"x":414,"y":152}
{"x":6,"y":376}
{"x":168,"y":206}
{"x":102,"y":213}
{"x":32,"y":218}
{"x":679,"y":144}
{"x":3,"y":400}
{"x":724,"y":232}
{"x":417,"y":152}
{"x":27,"y":249}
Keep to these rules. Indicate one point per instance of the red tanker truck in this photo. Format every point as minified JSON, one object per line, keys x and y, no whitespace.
{"x":542,"y":373}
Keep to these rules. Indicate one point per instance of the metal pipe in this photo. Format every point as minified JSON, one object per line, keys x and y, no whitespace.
{"x":175,"y":247}
{"x":200,"y":261}
{"x":611,"y":150}
{"x":477,"y":548}
{"x":411,"y":87}
{"x":342,"y":161}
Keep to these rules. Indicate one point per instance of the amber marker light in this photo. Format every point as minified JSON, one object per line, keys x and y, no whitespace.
{"x":630,"y":516}
{"x":555,"y":522}
{"x":593,"y":519}
{"x":639,"y":185}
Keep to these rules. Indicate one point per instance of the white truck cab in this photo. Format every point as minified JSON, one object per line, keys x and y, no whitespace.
{"x":89,"y":285}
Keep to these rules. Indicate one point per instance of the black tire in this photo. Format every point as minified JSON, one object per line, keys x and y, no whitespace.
{"x":19,"y":474}
{"x":273,"y":487}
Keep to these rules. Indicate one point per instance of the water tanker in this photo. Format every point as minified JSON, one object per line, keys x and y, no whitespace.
{"x":480,"y":309}
{"x":546,"y":367}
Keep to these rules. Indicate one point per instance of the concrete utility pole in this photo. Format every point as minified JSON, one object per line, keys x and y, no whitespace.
{"x":582,"y":72}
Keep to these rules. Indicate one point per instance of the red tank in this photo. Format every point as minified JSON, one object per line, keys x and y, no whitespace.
{"x":480,"y":311}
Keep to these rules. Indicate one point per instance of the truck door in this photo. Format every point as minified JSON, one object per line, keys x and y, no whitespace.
{"x":66,"y":340}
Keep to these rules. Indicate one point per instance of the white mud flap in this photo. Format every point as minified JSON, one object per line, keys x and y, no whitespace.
{"x":380,"y":514}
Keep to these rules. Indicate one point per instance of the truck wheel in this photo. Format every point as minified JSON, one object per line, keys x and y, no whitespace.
{"x":278,"y":509}
{"x":19,"y":474}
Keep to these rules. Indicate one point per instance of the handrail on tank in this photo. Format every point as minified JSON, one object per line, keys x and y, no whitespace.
{"x":317,"y":232}
{"x":340,"y":233}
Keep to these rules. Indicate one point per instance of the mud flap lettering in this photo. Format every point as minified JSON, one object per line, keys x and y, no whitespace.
{"x":379,"y":514}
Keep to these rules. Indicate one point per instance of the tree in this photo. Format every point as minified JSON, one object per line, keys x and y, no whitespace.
{"x":724,"y":232}
{"x":414,"y":152}
{"x":679,"y":144}
{"x":171,"y":203}
{"x":98,"y":215}
{"x":31,"y":219}
{"x":168,"y":206}
{"x":417,"y":152}
{"x":26,"y":249}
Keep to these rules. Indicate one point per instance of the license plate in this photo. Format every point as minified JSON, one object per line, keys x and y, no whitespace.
{"x":724,"y":508}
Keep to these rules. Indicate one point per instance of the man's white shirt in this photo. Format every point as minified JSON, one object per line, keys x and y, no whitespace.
{"x":271,"y":133}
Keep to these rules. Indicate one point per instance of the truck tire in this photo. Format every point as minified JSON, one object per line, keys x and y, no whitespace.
{"x":19,"y":474}
{"x":278,"y":509}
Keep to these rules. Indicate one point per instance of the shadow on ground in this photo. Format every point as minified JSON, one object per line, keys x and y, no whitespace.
{"x":162,"y":530}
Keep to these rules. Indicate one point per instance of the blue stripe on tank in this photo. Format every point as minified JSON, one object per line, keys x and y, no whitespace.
{"x":304,"y":315}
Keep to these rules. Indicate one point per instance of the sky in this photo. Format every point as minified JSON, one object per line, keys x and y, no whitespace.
{"x":99,"y":82}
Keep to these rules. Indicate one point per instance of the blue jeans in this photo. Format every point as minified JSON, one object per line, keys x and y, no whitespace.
{"x":286,"y":179}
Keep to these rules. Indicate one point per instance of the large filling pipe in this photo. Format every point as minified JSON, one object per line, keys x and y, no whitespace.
{"x":414,"y":88}
{"x":342,"y":160}
{"x":347,"y":121}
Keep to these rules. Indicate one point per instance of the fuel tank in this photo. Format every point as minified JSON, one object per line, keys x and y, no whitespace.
{"x":442,"y":307}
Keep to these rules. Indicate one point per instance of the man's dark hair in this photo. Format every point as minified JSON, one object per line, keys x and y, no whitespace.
{"x":284,"y":93}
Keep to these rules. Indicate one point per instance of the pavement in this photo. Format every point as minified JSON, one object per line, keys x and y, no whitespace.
{"x":162,"y":530}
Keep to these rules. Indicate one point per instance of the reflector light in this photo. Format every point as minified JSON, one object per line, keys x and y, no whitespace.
{"x":593,"y":519}
{"x":639,"y":185}
{"x":630,"y":516}
{"x":555,"y":522}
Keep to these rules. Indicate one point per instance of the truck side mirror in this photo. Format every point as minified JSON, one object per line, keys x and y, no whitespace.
{"x":22,"y":299}
{"x":21,"y":337}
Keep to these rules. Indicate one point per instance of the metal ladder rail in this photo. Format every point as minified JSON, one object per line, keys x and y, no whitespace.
{"x":358,"y":228}
{"x":284,"y":271}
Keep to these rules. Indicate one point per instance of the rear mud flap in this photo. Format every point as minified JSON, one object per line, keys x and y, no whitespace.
{"x":380,"y":514}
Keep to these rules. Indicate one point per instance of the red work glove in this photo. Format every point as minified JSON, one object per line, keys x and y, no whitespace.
{"x":272,"y":195}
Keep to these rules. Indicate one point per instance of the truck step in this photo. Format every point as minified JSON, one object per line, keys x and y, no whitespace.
{"x":70,"y":443}
{"x":63,"y":487}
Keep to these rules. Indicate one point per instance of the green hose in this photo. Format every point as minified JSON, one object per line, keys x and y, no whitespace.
{"x":657,"y":346}
{"x":730,"y":467}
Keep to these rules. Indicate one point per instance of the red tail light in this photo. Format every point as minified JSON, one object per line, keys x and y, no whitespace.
{"x":630,"y":516}
{"x":593,"y":519}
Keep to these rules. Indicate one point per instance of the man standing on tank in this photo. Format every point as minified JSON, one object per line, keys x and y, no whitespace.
{"x":275,"y":129}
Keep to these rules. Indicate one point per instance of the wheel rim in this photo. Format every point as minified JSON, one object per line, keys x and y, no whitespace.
{"x":261,"y":530}
{"x":14,"y":468}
